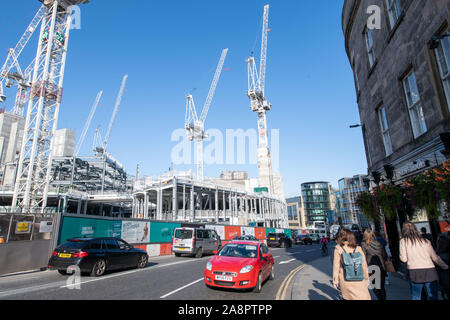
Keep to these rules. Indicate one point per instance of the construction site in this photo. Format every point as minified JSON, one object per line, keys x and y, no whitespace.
{"x":42,"y":170}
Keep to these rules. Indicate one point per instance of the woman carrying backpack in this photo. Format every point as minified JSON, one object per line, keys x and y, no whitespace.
{"x":420,"y":258}
{"x":350,"y":272}
{"x":375,"y":256}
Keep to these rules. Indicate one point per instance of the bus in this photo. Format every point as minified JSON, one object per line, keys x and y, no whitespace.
{"x":320,"y":227}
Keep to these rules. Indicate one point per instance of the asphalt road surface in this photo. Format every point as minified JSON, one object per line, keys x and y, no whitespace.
{"x":165,"y":278}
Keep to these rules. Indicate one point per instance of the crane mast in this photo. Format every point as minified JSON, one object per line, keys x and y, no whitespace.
{"x":195,"y":128}
{"x":260,"y":105}
{"x":35,"y":161}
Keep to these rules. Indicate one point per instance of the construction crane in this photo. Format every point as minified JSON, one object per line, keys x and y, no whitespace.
{"x":6,"y":76}
{"x":260,"y":105}
{"x":100,"y":147}
{"x":194,"y":126}
{"x":88,"y":123}
{"x":35,"y":161}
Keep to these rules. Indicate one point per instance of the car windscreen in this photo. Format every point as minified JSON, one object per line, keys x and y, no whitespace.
{"x":74,"y":245}
{"x":239,"y":250}
{"x":273,"y":235}
{"x":183,"y":234}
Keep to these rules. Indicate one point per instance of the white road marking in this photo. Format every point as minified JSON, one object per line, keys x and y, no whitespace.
{"x":63,"y":284}
{"x":286,"y":262}
{"x":179,"y":289}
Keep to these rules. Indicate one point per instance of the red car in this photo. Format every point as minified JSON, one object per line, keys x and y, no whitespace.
{"x":240,"y":265}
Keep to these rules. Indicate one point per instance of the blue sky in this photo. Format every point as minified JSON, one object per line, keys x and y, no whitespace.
{"x":170,"y":47}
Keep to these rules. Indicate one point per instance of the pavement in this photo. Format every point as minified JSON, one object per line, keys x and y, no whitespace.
{"x":315,"y":282}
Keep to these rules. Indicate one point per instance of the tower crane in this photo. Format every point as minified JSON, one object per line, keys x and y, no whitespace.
{"x":6,"y":76}
{"x":194,"y":126}
{"x":35,"y":161}
{"x":260,"y":105}
{"x":101,"y":148}
{"x":88,"y":124}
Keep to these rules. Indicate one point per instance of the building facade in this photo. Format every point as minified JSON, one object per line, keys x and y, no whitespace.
{"x":317,"y":201}
{"x":399,"y":51}
{"x":402,"y":81}
{"x":347,"y":209}
{"x":296,"y":212}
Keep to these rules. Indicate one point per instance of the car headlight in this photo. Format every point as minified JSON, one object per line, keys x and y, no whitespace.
{"x":209,"y":266}
{"x":246,"y":269}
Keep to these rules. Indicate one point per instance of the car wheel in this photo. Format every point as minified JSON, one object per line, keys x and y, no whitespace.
{"x":199,"y":253}
{"x":143,"y":260}
{"x":99,"y":268}
{"x":258,"y":287}
{"x":272,"y":274}
{"x":177,"y":254}
{"x":62,"y":272}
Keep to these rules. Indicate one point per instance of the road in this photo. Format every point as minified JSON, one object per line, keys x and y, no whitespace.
{"x":165,"y":278}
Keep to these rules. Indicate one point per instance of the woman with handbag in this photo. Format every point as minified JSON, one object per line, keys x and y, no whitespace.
{"x":420,"y":258}
{"x":353,"y":286}
{"x":376,"y":256}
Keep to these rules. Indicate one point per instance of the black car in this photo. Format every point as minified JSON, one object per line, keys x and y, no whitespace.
{"x":279,"y":240}
{"x":96,"y":255}
{"x":245,"y":238}
{"x":304,"y":239}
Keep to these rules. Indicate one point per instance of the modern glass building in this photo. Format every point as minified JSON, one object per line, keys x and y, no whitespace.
{"x":346,"y":207}
{"x":317,"y":202}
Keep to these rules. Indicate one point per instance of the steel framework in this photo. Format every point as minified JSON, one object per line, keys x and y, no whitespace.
{"x":34,"y":168}
{"x":260,"y":105}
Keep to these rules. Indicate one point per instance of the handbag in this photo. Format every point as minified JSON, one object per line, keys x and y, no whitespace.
{"x":389,"y":266}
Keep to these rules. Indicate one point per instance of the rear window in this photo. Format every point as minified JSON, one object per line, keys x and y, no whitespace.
{"x":75,"y":245}
{"x":183,"y":234}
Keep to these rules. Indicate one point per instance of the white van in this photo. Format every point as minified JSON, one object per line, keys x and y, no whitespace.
{"x":195,"y":241}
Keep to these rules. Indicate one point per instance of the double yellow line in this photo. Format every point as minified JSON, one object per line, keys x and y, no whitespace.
{"x":281,"y":294}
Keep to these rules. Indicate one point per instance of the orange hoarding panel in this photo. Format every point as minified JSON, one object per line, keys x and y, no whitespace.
{"x":445,"y":227}
{"x":231,"y":232}
{"x":260,"y":233}
{"x":166,"y":249}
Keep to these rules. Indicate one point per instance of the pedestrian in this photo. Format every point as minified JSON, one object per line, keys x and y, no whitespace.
{"x":385,"y":244}
{"x":443,"y":251}
{"x":353,"y":286}
{"x":428,"y":236}
{"x":420,"y":258}
{"x":375,"y":256}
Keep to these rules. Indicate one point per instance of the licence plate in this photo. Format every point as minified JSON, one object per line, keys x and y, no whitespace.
{"x":272,"y":238}
{"x":182,"y":249}
{"x":65,"y":255}
{"x":224,"y":278}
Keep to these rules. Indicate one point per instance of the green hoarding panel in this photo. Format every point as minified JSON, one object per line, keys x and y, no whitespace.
{"x":87,"y":228}
{"x":161,"y":232}
{"x":270,"y":230}
{"x":288,"y":232}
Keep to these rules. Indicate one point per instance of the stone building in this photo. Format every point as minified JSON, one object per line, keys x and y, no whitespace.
{"x":402,"y":83}
{"x":399,"y":51}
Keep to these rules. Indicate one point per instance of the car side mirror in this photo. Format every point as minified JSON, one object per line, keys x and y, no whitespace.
{"x":265,"y":256}
{"x":215,"y":252}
